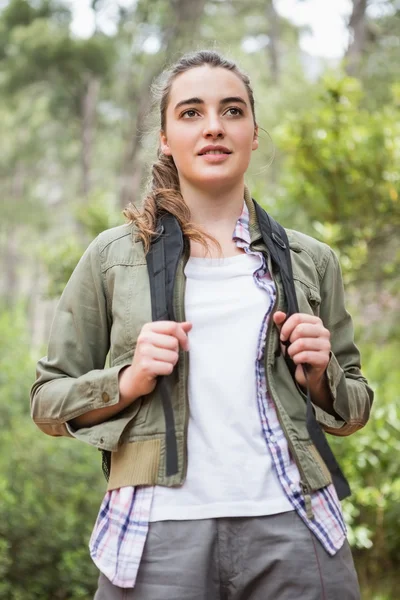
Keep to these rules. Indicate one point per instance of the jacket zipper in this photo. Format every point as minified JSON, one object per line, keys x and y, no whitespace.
{"x":304,"y":487}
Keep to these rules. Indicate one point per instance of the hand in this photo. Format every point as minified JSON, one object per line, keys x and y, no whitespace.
{"x":309,"y":345}
{"x":156,"y":353}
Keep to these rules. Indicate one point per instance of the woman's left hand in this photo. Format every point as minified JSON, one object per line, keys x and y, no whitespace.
{"x":309,"y":344}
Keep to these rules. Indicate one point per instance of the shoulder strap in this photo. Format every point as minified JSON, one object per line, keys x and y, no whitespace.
{"x":162,"y":262}
{"x":276,"y":240}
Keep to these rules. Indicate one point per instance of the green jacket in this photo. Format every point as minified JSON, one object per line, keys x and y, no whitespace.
{"x":101,"y":312}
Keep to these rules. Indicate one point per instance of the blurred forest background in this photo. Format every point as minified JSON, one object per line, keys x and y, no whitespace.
{"x":75,"y":148}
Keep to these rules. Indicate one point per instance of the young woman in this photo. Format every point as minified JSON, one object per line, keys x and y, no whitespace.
{"x":216,"y":489}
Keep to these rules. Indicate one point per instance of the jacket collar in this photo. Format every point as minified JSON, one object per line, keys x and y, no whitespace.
{"x":254,"y":228}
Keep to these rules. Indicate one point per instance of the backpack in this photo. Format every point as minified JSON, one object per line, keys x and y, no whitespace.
{"x":162,"y":262}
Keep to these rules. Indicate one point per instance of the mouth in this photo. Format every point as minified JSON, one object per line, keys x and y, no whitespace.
{"x":214,"y":150}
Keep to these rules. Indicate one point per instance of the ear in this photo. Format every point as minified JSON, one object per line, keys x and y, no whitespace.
{"x":165,"y":149}
{"x":254,"y":145}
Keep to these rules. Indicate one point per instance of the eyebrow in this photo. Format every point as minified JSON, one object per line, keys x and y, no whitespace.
{"x":195,"y":100}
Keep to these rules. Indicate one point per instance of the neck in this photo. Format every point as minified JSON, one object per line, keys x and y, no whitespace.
{"x":214,"y":209}
{"x":216,"y":212}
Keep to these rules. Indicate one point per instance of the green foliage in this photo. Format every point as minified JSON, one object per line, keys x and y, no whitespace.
{"x":98,"y":215}
{"x":344,"y":157}
{"x":60,"y":260}
{"x":62,"y":257}
{"x":380,"y":67}
{"x":44,"y":51}
{"x":371,"y":460}
{"x":50,"y":490}
{"x":15,"y":365}
{"x":341,"y":170}
{"x":21,"y":13}
{"x":50,"y":496}
{"x":37,"y":47}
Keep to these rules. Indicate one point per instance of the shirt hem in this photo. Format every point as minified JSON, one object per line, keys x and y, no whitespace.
{"x":218,"y":511}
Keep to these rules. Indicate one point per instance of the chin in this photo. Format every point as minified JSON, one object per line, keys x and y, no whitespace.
{"x":217,"y":183}
{"x":219,"y":180}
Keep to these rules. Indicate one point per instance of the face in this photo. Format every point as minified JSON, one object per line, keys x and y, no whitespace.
{"x":210,"y":131}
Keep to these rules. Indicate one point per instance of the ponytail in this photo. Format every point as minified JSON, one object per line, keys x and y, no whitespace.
{"x":163,"y":196}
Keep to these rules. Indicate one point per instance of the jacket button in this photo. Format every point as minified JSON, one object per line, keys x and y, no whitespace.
{"x":106,"y":397}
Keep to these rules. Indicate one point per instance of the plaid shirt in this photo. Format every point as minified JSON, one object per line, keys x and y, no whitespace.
{"x":119,"y":535}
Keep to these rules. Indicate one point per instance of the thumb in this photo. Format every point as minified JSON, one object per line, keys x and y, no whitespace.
{"x":186,"y":326}
{"x":279,"y":318}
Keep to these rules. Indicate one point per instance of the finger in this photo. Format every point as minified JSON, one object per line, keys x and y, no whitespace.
{"x":158,"y":368}
{"x":318,"y":360}
{"x":300,"y":376}
{"x":295,"y":320}
{"x":279,"y":318}
{"x":159,"y":340}
{"x":309,"y":330}
{"x":166,"y":327}
{"x":161,"y":354}
{"x":181,"y":334}
{"x":309,"y":344}
{"x":178,"y":330}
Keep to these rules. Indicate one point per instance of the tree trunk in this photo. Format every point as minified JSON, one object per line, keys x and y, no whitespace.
{"x":179,"y":33}
{"x":273,"y":42}
{"x":88,"y":121}
{"x":11,"y":260}
{"x":132,"y":167}
{"x":11,"y":250}
{"x":358,"y":28}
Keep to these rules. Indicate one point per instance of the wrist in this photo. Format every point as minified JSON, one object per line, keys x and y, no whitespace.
{"x":128,"y":389}
{"x":321,"y":395}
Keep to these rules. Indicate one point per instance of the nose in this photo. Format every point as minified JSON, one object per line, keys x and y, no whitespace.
{"x":213,"y":127}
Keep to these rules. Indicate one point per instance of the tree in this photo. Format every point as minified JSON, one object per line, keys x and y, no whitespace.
{"x":341,"y":172}
{"x":39,"y":49}
{"x":359,"y":29}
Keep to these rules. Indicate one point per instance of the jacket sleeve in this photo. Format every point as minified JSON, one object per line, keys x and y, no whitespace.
{"x":71,"y":379}
{"x":352,"y":397}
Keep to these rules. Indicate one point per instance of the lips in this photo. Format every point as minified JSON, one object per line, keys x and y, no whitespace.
{"x":212,"y":149}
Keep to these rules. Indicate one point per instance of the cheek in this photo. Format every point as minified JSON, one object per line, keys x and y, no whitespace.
{"x":182,"y":141}
{"x":246,"y":151}
{"x":244,"y":139}
{"x":182,"y":151}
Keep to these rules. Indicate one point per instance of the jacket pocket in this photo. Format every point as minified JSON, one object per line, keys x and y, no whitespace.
{"x":308,"y":297}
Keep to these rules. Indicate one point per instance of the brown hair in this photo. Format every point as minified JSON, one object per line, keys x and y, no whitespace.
{"x":164,"y":193}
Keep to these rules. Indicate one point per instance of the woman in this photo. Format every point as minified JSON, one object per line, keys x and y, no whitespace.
{"x":216,"y":489}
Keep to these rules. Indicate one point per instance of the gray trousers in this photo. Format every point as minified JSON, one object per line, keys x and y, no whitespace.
{"x":259,"y":558}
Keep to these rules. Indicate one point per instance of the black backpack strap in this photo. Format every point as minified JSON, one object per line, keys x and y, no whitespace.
{"x":162,"y":262}
{"x":276,"y":240}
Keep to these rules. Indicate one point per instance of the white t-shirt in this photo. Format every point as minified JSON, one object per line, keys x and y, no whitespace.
{"x":230,"y":472}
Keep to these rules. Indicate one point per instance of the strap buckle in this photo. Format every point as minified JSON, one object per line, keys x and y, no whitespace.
{"x":278,"y":240}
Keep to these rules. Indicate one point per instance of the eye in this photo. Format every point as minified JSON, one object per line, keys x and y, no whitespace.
{"x":189,"y":114}
{"x":234,"y":111}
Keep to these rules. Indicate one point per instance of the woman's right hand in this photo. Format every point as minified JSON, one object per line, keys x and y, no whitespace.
{"x":156,"y":353}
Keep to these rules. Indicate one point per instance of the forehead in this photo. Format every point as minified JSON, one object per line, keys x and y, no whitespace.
{"x":208,"y":83}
